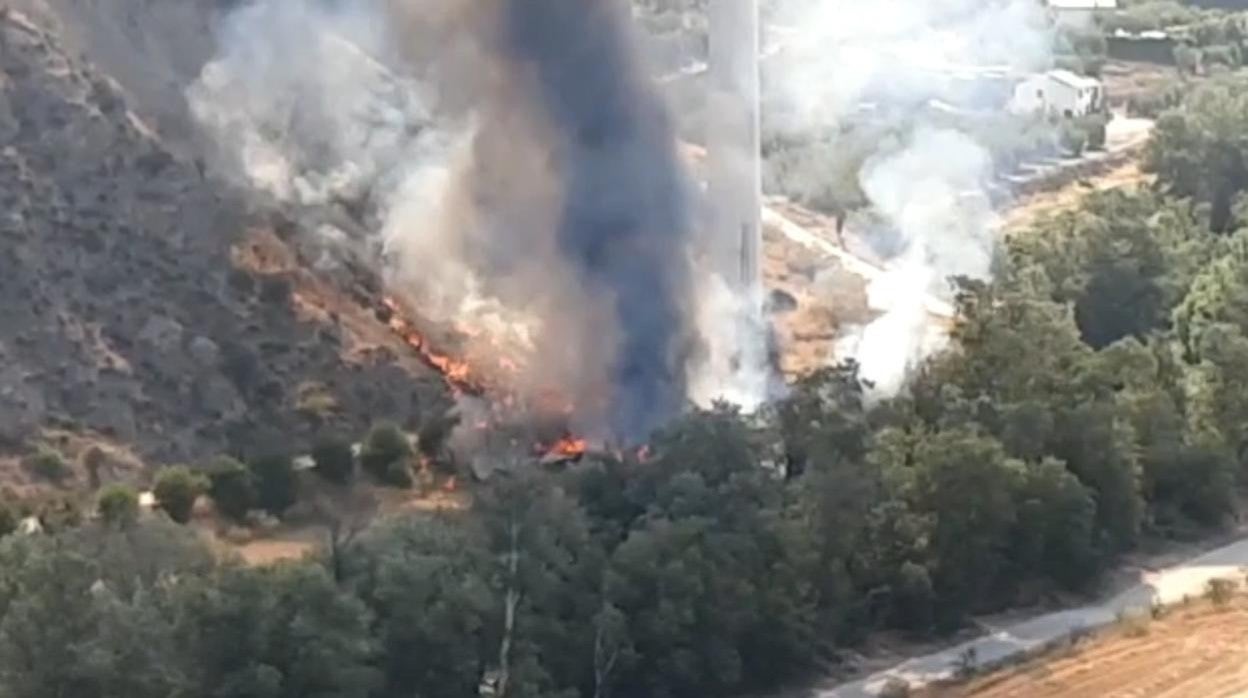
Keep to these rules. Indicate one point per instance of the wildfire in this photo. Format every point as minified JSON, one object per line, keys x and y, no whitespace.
{"x":457,"y":374}
{"x":462,"y":379}
{"x":566,"y":448}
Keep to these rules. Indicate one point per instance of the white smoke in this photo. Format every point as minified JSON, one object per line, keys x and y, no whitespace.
{"x":304,"y":102}
{"x":735,"y":366}
{"x":455,"y":150}
{"x":932,"y":192}
{"x":302,"y":105}
{"x":931,"y":185}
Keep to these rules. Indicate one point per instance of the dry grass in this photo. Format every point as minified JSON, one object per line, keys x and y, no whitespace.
{"x":1197,"y":651}
{"x":1028,"y":209}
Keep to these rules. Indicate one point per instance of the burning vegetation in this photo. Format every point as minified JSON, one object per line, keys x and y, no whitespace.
{"x":503,"y":403}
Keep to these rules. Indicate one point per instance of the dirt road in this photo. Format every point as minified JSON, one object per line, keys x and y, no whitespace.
{"x":1167,"y":586}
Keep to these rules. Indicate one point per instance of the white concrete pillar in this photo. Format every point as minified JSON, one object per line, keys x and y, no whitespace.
{"x":734,"y":174}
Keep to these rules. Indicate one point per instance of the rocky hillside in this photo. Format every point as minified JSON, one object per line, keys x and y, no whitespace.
{"x":145,"y":303}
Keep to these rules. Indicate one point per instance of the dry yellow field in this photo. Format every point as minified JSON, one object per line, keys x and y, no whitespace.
{"x":1196,"y":652}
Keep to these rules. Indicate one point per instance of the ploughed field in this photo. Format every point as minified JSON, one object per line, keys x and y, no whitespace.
{"x":1192,"y":652}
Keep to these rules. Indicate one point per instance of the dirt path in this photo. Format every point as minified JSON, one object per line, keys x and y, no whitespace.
{"x":1193,"y":651}
{"x":1125,"y":137}
{"x":1026,"y":210}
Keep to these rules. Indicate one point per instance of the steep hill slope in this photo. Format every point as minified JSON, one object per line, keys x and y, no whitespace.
{"x":140,"y":301}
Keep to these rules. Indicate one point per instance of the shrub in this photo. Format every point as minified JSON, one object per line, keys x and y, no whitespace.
{"x":118,"y":505}
{"x":385,"y":454}
{"x":58,"y":513}
{"x":49,"y":464}
{"x":334,"y":460}
{"x":176,"y":490}
{"x":1220,"y":591}
{"x":315,"y":400}
{"x":275,"y":483}
{"x":10,"y":516}
{"x":232,"y":488}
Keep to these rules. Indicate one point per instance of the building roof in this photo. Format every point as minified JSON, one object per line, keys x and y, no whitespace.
{"x":1083,"y":4}
{"x":1072,"y":80}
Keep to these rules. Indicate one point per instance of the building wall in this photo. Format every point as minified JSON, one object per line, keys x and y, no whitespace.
{"x":1145,"y":50}
{"x":1057,"y":97}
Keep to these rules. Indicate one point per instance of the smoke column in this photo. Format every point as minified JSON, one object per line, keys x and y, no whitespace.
{"x":929,"y":181}
{"x":518,"y":167}
{"x":625,"y":216}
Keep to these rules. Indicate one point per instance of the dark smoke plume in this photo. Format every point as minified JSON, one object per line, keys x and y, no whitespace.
{"x":518,"y":167}
{"x":625,"y":215}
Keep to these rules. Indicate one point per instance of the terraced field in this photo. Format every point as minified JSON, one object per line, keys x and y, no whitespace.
{"x":1198,"y":652}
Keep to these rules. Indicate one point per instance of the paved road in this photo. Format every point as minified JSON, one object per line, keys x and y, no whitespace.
{"x":1166,"y":586}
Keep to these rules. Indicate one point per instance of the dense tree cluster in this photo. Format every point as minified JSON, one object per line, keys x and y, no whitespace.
{"x":1200,"y":151}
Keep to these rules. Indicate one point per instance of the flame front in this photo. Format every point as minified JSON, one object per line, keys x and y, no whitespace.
{"x":462,"y":379}
{"x":567,"y":447}
{"x":457,"y":374}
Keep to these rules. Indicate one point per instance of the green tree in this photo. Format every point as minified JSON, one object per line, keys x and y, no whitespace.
{"x":965,"y":483}
{"x":1217,"y":296}
{"x":717,"y":534}
{"x":429,"y":584}
{"x":81,"y":611}
{"x":1220,"y":390}
{"x":49,"y":464}
{"x":232,"y":487}
{"x":1056,"y":531}
{"x":278,"y":632}
{"x":546,"y":570}
{"x":1122,"y":259}
{"x":176,"y":490}
{"x":334,"y":459}
{"x":1200,"y":150}
{"x":118,"y":505}
{"x":385,"y":455}
{"x":276,"y":483}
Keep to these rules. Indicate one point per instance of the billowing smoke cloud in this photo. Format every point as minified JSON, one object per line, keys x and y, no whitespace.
{"x":904,"y":61}
{"x":931,"y":191}
{"x":625,"y":211}
{"x":511,"y":160}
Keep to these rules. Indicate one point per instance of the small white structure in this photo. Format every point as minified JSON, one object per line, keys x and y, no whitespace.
{"x":1058,"y":93}
{"x":1079,"y":13}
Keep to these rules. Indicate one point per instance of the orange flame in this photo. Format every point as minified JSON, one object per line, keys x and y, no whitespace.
{"x":458,"y":374}
{"x":461,"y":378}
{"x":569,"y":447}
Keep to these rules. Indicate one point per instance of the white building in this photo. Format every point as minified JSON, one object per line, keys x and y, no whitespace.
{"x":1058,"y":93}
{"x":1079,"y":13}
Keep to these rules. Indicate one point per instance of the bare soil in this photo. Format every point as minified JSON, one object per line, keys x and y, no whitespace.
{"x":1192,"y":651}
{"x":1047,"y":203}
